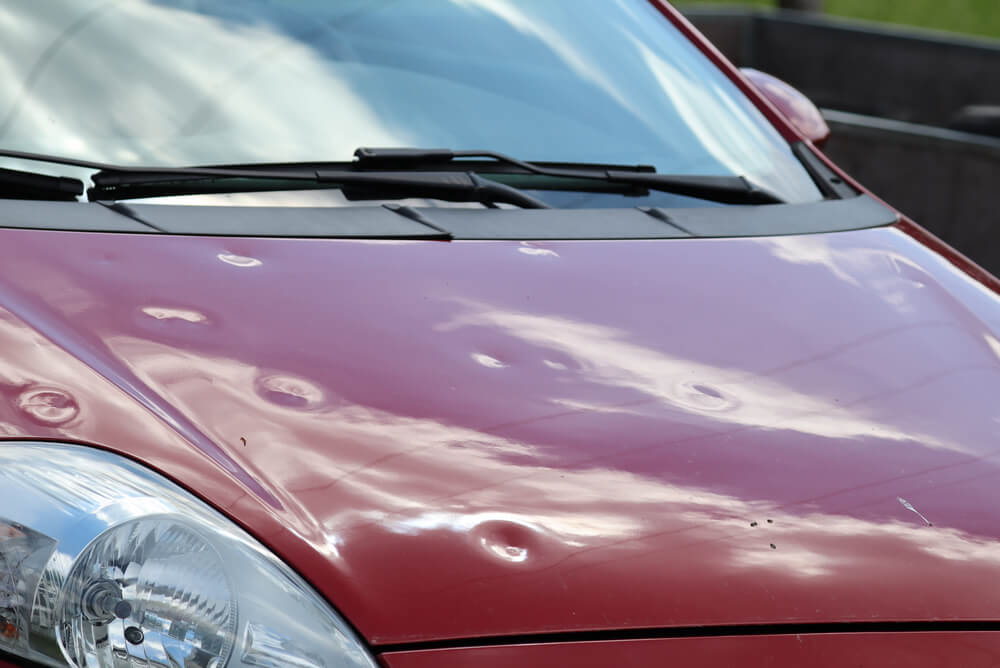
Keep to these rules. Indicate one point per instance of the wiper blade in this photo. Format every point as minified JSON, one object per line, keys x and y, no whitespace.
{"x":449,"y":186}
{"x":725,"y":189}
{"x":123,"y":182}
{"x":15,"y":184}
{"x":386,"y":172}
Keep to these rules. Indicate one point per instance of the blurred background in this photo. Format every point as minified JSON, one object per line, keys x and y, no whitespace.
{"x":910,"y":89}
{"x":975,"y":17}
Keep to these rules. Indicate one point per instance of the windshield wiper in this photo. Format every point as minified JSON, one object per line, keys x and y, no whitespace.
{"x":445,"y":185}
{"x":15,"y":184}
{"x":724,"y":189}
{"x":123,"y":182}
{"x":435,"y":173}
{"x":393,"y":173}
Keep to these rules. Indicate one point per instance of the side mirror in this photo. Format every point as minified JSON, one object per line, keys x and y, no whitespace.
{"x":796,"y":107}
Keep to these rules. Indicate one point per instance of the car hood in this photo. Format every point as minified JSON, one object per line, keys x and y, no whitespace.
{"x":468,"y":439}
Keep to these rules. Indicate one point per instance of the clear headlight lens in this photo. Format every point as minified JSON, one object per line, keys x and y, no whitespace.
{"x":105,"y":564}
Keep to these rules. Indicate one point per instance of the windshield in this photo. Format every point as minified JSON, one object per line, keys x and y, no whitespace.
{"x":183,"y":82}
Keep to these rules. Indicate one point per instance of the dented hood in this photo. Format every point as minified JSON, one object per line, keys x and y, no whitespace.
{"x":456,"y":440}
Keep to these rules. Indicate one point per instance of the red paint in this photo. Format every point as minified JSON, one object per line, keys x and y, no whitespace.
{"x":956,"y":258}
{"x":465,"y":439}
{"x":910,"y":650}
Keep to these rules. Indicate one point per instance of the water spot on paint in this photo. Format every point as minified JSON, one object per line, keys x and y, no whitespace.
{"x":487,"y":361}
{"x":48,"y":406}
{"x":289,"y":391}
{"x":239,"y":260}
{"x":165,"y":313}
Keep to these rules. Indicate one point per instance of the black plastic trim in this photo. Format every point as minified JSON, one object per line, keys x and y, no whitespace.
{"x":553,"y":224}
{"x":439,"y":223}
{"x":128,"y":212}
{"x":372,"y":222}
{"x":856,"y":213}
{"x":827,"y":180}
{"x":413,"y":214}
{"x":717,"y":221}
{"x":68,"y":216}
{"x":662,"y":216}
{"x":821,"y":628}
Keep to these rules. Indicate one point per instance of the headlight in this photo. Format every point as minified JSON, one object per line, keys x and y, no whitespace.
{"x":104,"y":563}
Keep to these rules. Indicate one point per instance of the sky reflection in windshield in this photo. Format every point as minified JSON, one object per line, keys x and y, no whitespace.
{"x":217,"y":81}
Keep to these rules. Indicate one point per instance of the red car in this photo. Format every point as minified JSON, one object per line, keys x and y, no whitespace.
{"x":600,"y":362}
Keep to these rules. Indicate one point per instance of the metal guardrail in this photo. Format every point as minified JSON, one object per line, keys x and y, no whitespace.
{"x":945,"y":180}
{"x":907,"y":74}
{"x":885,"y":92}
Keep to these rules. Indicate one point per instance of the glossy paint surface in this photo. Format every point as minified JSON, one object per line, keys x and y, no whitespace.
{"x":455,"y":440}
{"x":799,"y":109}
{"x":909,"y":650}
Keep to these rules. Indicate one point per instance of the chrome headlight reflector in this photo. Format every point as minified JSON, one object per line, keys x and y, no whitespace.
{"x":104,"y":563}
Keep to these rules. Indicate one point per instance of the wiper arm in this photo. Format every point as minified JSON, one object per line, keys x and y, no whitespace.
{"x":123,"y":182}
{"x":16,"y":184}
{"x":725,"y":189}
{"x":447,"y":185}
{"x":414,"y":175}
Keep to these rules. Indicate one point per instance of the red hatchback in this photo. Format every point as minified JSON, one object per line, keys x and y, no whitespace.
{"x":599,"y":363}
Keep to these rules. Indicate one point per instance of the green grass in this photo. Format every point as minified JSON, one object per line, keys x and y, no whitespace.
{"x":976,"y":17}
